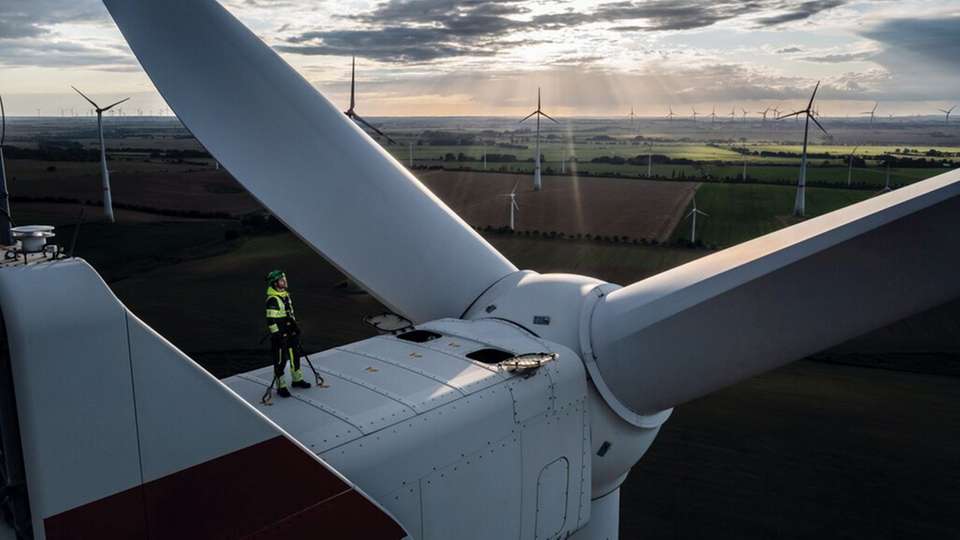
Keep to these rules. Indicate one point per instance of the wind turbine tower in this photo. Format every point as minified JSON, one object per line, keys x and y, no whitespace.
{"x":513,"y":206}
{"x":694,"y":109}
{"x":537,"y":181}
{"x":886,"y":185}
{"x":6,"y":235}
{"x":650,"y":159}
{"x":850,"y":165}
{"x":351,"y":113}
{"x":872,"y":112}
{"x":799,"y":205}
{"x":104,"y":172}
{"x":693,"y":223}
{"x":947,"y":113}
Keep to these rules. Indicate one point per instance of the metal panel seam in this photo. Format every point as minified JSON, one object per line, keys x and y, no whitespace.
{"x":394,"y":363}
{"x":338,"y":414}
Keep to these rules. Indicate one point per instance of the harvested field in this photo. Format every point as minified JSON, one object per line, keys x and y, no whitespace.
{"x":595,"y":206}
{"x":156,"y":185}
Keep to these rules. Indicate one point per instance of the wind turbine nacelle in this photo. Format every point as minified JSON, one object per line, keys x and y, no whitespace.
{"x":560,"y":308}
{"x":427,"y":434}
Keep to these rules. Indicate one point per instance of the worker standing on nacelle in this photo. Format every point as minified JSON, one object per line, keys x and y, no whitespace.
{"x":284,"y":333}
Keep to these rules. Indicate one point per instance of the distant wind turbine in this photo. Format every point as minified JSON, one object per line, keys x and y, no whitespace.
{"x":351,"y":113}
{"x":694,"y":109}
{"x":693,"y":224}
{"x":872,"y":112}
{"x":733,"y":113}
{"x":850,"y":165}
{"x":513,"y":206}
{"x":6,"y":236}
{"x":886,"y":185}
{"x":947,"y":112}
{"x":104,"y":172}
{"x":713,"y":115}
{"x":799,"y":205}
{"x":670,"y":114}
{"x":537,"y":181}
{"x":633,"y":121}
{"x":650,"y":159}
{"x":745,"y":113}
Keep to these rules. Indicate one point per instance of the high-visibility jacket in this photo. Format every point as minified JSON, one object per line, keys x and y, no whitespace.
{"x":280,"y":318}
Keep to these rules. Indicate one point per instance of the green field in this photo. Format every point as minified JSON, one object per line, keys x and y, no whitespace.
{"x":740,"y":212}
{"x":871,"y":177}
{"x":844,"y":150}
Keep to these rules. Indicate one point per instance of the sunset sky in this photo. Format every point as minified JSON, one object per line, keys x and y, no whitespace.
{"x":474,"y":57}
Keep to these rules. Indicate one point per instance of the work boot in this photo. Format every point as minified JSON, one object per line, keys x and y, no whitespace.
{"x":300,"y":384}
{"x":283,"y":392}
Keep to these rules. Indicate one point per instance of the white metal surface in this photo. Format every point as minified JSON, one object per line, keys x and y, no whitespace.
{"x":101,"y":424}
{"x":106,"y":405}
{"x":460,"y":446}
{"x":728,"y":316}
{"x":306,"y":162}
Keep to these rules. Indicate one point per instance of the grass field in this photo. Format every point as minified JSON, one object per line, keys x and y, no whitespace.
{"x":844,"y":150}
{"x":863,"y":178}
{"x":740,"y":212}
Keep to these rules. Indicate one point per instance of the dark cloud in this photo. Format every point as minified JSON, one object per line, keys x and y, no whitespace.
{"x":932,"y":40}
{"x":789,"y":50}
{"x":426,"y":30}
{"x":799,"y":12}
{"x":28,"y":36}
{"x":61,"y":54}
{"x":33,"y":17}
{"x":417,"y":31}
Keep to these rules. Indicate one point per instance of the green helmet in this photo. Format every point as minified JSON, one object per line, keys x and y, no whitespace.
{"x":275,"y":276}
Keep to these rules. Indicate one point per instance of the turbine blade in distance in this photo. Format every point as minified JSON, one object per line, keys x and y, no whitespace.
{"x":311,"y":166}
{"x":95,"y":106}
{"x":371,"y":127}
{"x":527,"y":117}
{"x":108,"y":107}
{"x":548,"y":116}
{"x":789,"y":115}
{"x":814,"y":118}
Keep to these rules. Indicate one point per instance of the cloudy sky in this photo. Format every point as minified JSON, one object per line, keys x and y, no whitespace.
{"x":479,"y":57}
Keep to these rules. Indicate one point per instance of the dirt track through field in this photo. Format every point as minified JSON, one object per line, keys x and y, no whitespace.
{"x":596,"y":206}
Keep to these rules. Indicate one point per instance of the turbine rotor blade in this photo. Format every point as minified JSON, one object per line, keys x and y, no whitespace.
{"x":815,"y":88}
{"x":108,"y":107}
{"x":814,"y":118}
{"x":789,"y":115}
{"x":370,"y":126}
{"x":95,"y":106}
{"x":728,"y":316}
{"x":3,"y":123}
{"x":527,"y":117}
{"x":311,"y":166}
{"x":353,"y":83}
{"x":548,"y":116}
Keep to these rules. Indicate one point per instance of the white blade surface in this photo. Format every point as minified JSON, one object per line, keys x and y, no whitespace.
{"x":720,"y":319}
{"x":308,"y":163}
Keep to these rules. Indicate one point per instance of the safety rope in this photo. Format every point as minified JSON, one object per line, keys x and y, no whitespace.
{"x":316,"y":375}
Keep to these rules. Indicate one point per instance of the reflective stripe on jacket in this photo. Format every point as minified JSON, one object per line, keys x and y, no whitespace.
{"x":280,"y":315}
